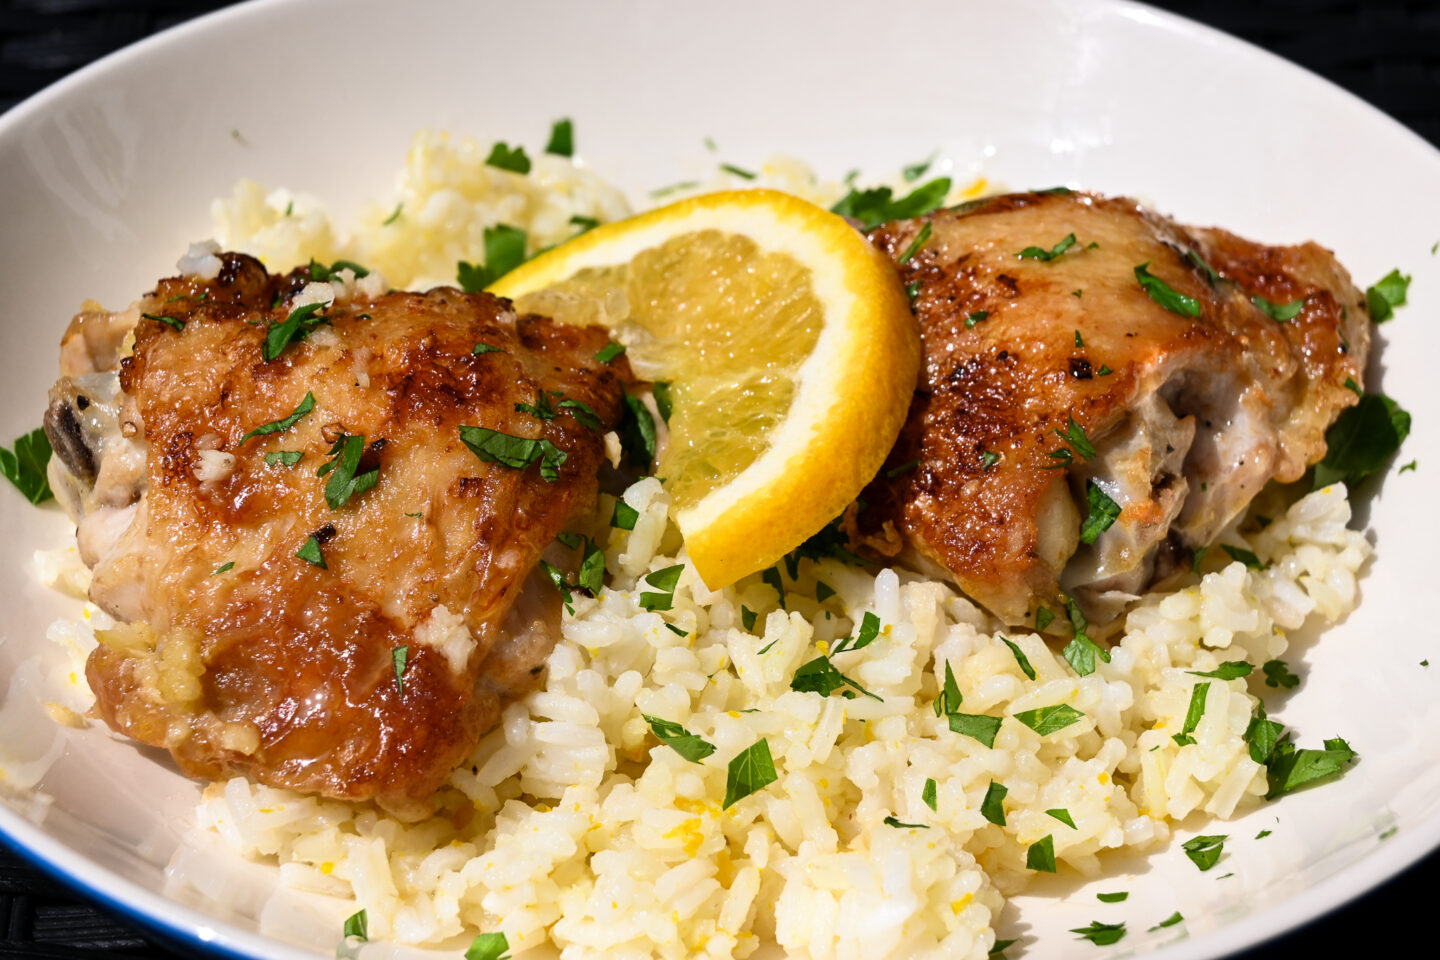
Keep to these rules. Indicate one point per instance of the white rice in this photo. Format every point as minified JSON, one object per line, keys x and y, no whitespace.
{"x":446,"y":196}
{"x":589,"y":835}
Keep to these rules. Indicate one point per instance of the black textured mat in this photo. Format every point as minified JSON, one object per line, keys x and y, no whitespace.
{"x":1386,"y":52}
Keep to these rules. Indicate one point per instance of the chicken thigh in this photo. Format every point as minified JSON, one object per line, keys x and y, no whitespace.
{"x":315,"y":532}
{"x":1102,"y":389}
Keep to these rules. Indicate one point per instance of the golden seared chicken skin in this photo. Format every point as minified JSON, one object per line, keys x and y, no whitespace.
{"x":336,"y":602}
{"x":1103,"y":390}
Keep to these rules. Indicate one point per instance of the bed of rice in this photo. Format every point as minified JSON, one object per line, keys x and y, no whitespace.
{"x":572,"y":827}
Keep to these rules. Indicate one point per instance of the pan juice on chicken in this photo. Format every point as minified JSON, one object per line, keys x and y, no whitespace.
{"x":395,"y":571}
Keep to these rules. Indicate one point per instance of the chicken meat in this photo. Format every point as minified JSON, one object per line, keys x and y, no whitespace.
{"x":320,"y":538}
{"x":1103,"y":390}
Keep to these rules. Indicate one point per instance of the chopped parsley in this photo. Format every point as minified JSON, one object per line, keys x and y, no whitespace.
{"x":950,"y":698}
{"x":544,"y":408}
{"x":592,"y":572}
{"x":276,"y":426}
{"x":504,"y":251}
{"x":1075,"y":435}
{"x":992,"y":808}
{"x":1290,"y":769}
{"x":1194,"y":257}
{"x":1047,"y":720}
{"x":169,"y":321}
{"x":1196,"y":558}
{"x":1103,"y":512}
{"x":997,"y":952}
{"x":1229,"y":670}
{"x":1205,"y":851}
{"x":1244,"y":556}
{"x":297,"y":326}
{"x":664,"y":581}
{"x":752,"y":769}
{"x":977,"y":726}
{"x":869,"y":630}
{"x":877,"y":205}
{"x":928,"y":794}
{"x":1100,"y":934}
{"x":344,"y":482}
{"x":1038,"y":253}
{"x":310,"y":552}
{"x":224,"y":568}
{"x":1166,"y":295}
{"x":893,"y":822}
{"x":912,"y":290}
{"x":1063,"y":815}
{"x":1388,"y":293}
{"x":914,"y":171}
{"x":1169,"y":921}
{"x":489,"y":946}
{"x":394,"y":214}
{"x":1081,"y":652}
{"x":504,"y":158}
{"x":556,"y":577}
{"x":1353,"y":387}
{"x":1277,"y":674}
{"x":1119,"y":897}
{"x":747,"y":617}
{"x":623,"y":517}
{"x":286,"y":458}
{"x":1194,"y":714}
{"x":1079,"y":341}
{"x":771,"y":576}
{"x":674,"y":187}
{"x":481,"y":349}
{"x":517,"y":453}
{"x":25,"y":465}
{"x":740,"y":172}
{"x":318,"y":271}
{"x":357,"y":925}
{"x":823,"y":592}
{"x":915,"y":244}
{"x":1104,"y":371}
{"x":820,"y":676}
{"x":979,"y":316}
{"x":1044,"y":616}
{"x":1361,"y":440}
{"x":1279,"y":312}
{"x":1040,"y":855}
{"x":1020,"y":658}
{"x":1262,"y":735}
{"x":400,"y":656}
{"x":610,"y":351}
{"x":689,"y":745}
{"x":988,"y":459}
{"x":664,"y":400}
{"x":906,"y":467}
{"x":562,"y":138}
{"x":637,"y":432}
{"x":586,"y":224}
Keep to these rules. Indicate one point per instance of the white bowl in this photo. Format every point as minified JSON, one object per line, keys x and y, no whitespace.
{"x":108,"y":174}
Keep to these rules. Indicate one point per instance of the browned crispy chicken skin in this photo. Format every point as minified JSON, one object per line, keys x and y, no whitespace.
{"x":1189,"y":416}
{"x":240,"y":656}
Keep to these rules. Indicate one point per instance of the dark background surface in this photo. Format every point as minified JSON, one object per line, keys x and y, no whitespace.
{"x":1387,"y":52}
